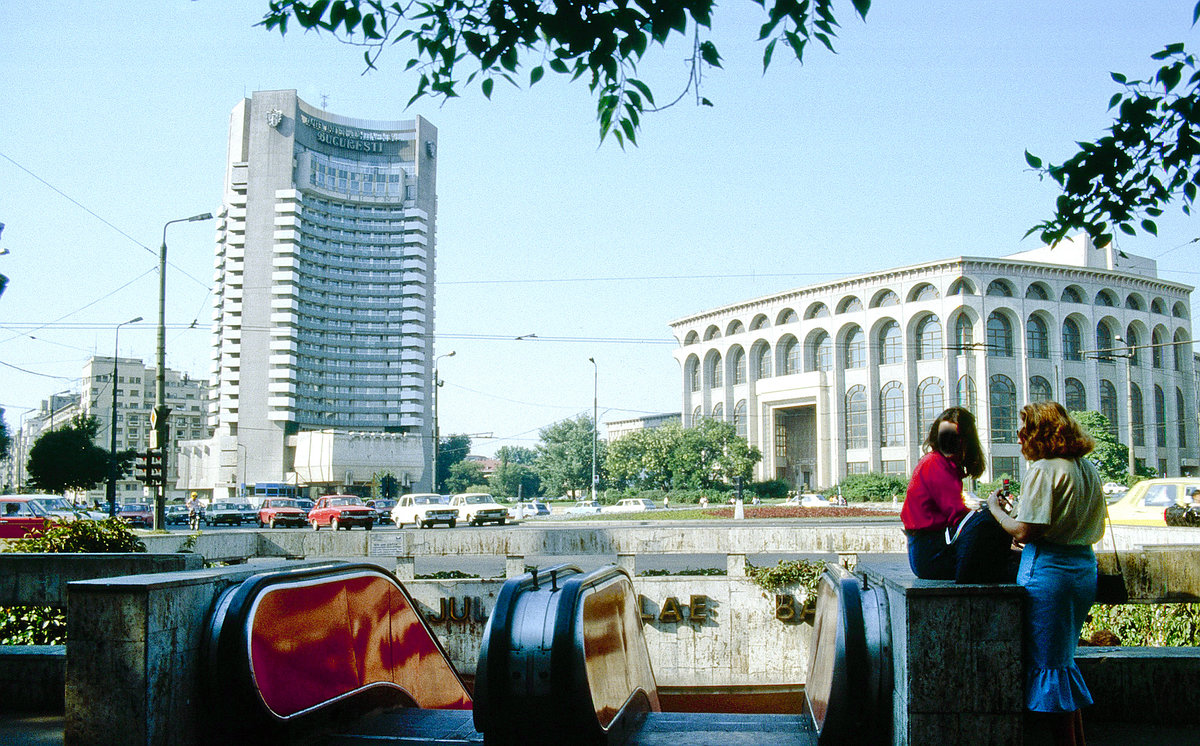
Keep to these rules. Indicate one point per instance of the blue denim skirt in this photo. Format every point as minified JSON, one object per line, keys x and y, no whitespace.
{"x":1061,"y":585}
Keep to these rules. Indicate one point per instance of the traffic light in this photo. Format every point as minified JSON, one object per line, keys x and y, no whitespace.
{"x":148,"y":467}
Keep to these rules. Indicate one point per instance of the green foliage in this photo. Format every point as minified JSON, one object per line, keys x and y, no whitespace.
{"x":871,"y":487}
{"x":707,"y":456}
{"x":564,"y":461}
{"x":68,"y":458}
{"x":1110,"y":456}
{"x":5,"y":438}
{"x":1150,"y":156}
{"x":983,"y":489}
{"x":516,"y":475}
{"x":601,"y":42}
{"x":804,"y":573}
{"x":451,"y":451}
{"x":1147,"y":625}
{"x":108,"y":535}
{"x":772,"y":489}
{"x":715,"y":496}
{"x":466,"y":476}
{"x":32,"y":625}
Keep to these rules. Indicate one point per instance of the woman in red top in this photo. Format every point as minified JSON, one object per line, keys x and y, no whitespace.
{"x":946,"y":539}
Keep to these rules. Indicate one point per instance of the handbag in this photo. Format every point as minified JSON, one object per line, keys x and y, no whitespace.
{"x":1110,"y":587}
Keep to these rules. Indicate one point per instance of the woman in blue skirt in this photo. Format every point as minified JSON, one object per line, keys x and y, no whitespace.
{"x":1059,"y":516}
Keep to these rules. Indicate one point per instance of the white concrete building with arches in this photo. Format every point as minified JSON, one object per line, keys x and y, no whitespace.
{"x":845,"y":377}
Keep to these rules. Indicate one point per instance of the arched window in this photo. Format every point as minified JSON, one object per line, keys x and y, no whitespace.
{"x":691,"y":338}
{"x":1132,"y":339}
{"x":1157,"y":306}
{"x":712,"y":333}
{"x":735,"y":328}
{"x":787,"y":316}
{"x":1133,"y":302}
{"x":964,"y":393}
{"x":697,"y":413}
{"x":1180,"y":349}
{"x":1158,"y":339}
{"x":1036,"y":291}
{"x":931,"y":401}
{"x":822,"y":352}
{"x":762,"y":362}
{"x":1181,"y":418}
{"x":817,"y":311}
{"x":718,"y":412}
{"x":999,"y":288}
{"x":1037,"y":338}
{"x":891,"y":343}
{"x":1108,"y":404}
{"x":925,"y":292}
{"x":790,"y":357}
{"x":1072,"y":339}
{"x":849,"y":305}
{"x":759,"y":322}
{"x":739,"y":418}
{"x":715,"y":378}
{"x":929,"y":338}
{"x":1039,"y":389}
{"x":856,"y":349}
{"x":964,"y":334}
{"x":1104,"y":342}
{"x":891,"y":414}
{"x":961,"y":286}
{"x":1104,"y":299}
{"x":693,"y":374}
{"x":1003,"y":398}
{"x":738,"y":365}
{"x":856,"y":417}
{"x":1072,"y":295}
{"x":1137,"y":415}
{"x":1160,"y":417}
{"x":1074,"y":398}
{"x":1000,"y":336}
{"x":1179,"y":310}
{"x":885,"y":298}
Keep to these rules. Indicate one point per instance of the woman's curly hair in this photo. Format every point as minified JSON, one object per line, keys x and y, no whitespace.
{"x":1048,"y":431}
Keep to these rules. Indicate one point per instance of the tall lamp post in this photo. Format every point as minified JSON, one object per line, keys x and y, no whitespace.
{"x":111,"y":490}
{"x":1129,"y":398}
{"x":595,"y":416}
{"x":161,"y":437}
{"x":437,"y":438}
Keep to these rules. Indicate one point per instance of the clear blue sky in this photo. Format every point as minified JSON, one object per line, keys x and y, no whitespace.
{"x":906,"y":146}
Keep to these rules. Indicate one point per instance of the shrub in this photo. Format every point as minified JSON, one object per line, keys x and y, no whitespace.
{"x":1147,"y":625}
{"x":871,"y":487}
{"x":108,"y":535}
{"x":770,"y":489}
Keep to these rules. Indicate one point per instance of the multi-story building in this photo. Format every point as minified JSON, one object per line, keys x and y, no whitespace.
{"x":845,"y":377}
{"x":616,"y":429}
{"x":324,"y":311}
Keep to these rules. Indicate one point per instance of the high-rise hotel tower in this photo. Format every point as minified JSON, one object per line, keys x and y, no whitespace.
{"x":323,"y":311}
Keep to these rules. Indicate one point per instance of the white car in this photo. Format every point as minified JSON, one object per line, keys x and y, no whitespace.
{"x":478,"y":508}
{"x":531,"y":509}
{"x":423,"y":509}
{"x":585,"y":507}
{"x":631,"y":505}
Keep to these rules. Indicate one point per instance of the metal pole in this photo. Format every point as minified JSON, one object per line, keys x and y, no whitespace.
{"x":595,"y":416}
{"x":161,"y":411}
{"x":437,"y":438}
{"x":111,"y":490}
{"x":1129,"y":399}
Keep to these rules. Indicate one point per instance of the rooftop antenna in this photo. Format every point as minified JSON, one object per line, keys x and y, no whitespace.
{"x":324,"y":102}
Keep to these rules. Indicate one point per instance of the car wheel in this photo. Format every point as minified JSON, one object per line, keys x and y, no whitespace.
{"x":316,"y":526}
{"x":501,"y":521}
{"x":398,"y":524}
{"x":271,"y":523}
{"x":333,"y":524}
{"x":452,"y":523}
{"x":423,"y":524}
{"x":368,"y":526}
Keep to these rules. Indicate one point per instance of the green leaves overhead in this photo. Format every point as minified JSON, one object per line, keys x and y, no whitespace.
{"x":600,"y":40}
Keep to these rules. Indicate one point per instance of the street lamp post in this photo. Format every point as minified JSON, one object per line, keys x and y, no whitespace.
{"x":595,"y":416}
{"x":244,"y":456}
{"x":1129,"y":398}
{"x":111,"y":491}
{"x":437,"y":438}
{"x":161,"y":411}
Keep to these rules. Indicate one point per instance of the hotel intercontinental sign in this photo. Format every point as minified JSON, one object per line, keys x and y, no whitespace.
{"x":353,"y":138}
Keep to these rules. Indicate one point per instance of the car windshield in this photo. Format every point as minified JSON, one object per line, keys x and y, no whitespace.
{"x":345,"y":501}
{"x":53,"y":503}
{"x":243,"y":506}
{"x":426,"y":500}
{"x":478,"y":499}
{"x":284,"y":504}
{"x":135,"y":509}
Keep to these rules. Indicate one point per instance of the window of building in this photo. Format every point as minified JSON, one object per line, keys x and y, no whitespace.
{"x":964,"y":393}
{"x":1000,"y":336}
{"x":1003,"y":400}
{"x":1104,"y":298}
{"x":1039,"y":389}
{"x":788,"y":316}
{"x":1132,"y":340}
{"x":1037,"y":338}
{"x":926,"y":292}
{"x":929,"y":338}
{"x":735,"y":328}
{"x":856,"y":417}
{"x":1005,"y":466}
{"x":1160,"y":417}
{"x":822,"y":352}
{"x":1137,"y":414}
{"x":1156,"y":352}
{"x":891,"y":343}
{"x":1037,"y":291}
{"x":1162,"y":467}
{"x":850,"y":305}
{"x":1180,"y":349}
{"x":1104,"y":342}
{"x":1072,"y":295}
{"x":895,"y":468}
{"x":964,"y":334}
{"x":999,"y":288}
{"x":715,"y":373}
{"x":885,"y":298}
{"x":1072,"y":339}
{"x":762,"y":364}
{"x":739,"y":418}
{"x":1075,"y":398}
{"x":856,"y":349}
{"x":781,"y":441}
{"x":718,"y":412}
{"x":891,"y":414}
{"x":791,"y":356}
{"x":1108,"y":404}
{"x":931,"y":401}
{"x":738,"y":365}
{"x":697,"y":413}
{"x":817,"y":311}
{"x":694,"y":374}
{"x":857,"y":467}
{"x":1181,"y":417}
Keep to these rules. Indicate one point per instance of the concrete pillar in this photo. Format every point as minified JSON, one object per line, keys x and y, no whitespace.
{"x":406,"y":568}
{"x":514,"y":565}
{"x":627,"y":562}
{"x":735,"y":565}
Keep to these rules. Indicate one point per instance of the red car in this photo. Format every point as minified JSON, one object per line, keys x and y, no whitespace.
{"x":281,"y":511}
{"x":21,"y":516}
{"x":136,"y":514}
{"x":341,"y":511}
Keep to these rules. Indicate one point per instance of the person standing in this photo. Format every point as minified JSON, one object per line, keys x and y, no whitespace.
{"x":1059,"y":517}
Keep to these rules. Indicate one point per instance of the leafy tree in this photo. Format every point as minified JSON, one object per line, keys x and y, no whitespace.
{"x":464,"y":476}
{"x":516,"y":480}
{"x":1110,"y":456}
{"x":5,"y":438}
{"x":451,"y":451}
{"x":516,"y":455}
{"x":565,"y":456}
{"x":673,"y":457}
{"x":601,"y":41}
{"x":68,"y":458}
{"x":871,"y":487}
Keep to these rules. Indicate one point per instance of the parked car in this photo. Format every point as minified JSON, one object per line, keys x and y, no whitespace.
{"x":585,"y":507}
{"x":305,"y":504}
{"x":341,"y":511}
{"x":1114,"y":489}
{"x":529,"y":509}
{"x":383,"y":509}
{"x":810,"y":500}
{"x":176,"y":515}
{"x":136,"y":514}
{"x":630,"y":505}
{"x":1147,"y":501}
{"x":423,"y":509}
{"x":281,"y":511}
{"x":233,"y":512}
{"x":60,"y":508}
{"x":478,"y":508}
{"x":21,"y":516}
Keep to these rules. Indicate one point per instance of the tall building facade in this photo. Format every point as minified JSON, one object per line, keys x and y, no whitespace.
{"x":845,"y":377}
{"x":324,"y":301}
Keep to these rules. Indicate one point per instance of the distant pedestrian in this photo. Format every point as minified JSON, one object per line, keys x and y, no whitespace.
{"x":666,"y":502}
{"x":704,"y":501}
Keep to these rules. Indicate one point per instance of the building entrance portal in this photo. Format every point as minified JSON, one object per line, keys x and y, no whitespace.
{"x":796,"y":446}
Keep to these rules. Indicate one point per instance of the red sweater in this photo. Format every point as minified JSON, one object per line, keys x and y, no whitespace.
{"x":934,"y":497}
